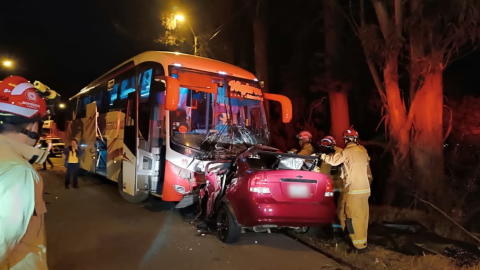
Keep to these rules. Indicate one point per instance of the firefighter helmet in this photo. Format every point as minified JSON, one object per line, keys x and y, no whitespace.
{"x":328,"y":142}
{"x":19,"y":99}
{"x":304,"y":135}
{"x":350,"y":133}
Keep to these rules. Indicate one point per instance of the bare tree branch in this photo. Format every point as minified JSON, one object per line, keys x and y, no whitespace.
{"x":382,"y":15}
{"x":398,"y":15}
{"x":451,"y":219}
{"x":371,"y":65}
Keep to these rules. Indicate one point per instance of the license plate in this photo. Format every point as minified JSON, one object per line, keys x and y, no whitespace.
{"x":299,"y":191}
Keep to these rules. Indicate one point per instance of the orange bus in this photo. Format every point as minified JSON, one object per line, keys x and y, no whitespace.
{"x":153,"y":122}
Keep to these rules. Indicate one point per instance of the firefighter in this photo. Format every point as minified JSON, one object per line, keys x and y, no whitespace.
{"x":357,"y":177}
{"x":329,"y":146}
{"x":304,"y":140}
{"x":22,"y":238}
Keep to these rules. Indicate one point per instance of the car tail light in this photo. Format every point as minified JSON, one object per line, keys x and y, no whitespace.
{"x":329,"y":188}
{"x":259,"y":183}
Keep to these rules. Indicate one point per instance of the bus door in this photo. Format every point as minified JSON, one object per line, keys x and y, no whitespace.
{"x":89,"y":137}
{"x":151,"y":99}
{"x":156,"y":135}
{"x":129,"y":162}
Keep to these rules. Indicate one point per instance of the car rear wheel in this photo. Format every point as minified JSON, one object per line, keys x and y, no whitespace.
{"x":138,"y":198}
{"x":228,"y":230}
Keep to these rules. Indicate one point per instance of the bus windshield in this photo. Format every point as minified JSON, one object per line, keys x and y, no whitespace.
{"x":232,"y":120}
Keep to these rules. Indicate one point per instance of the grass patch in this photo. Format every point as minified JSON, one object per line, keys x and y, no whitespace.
{"x":433,"y":220}
{"x":380,"y":258}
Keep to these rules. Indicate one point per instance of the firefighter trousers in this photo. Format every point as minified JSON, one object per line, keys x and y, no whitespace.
{"x":357,"y":213}
{"x":339,"y":221}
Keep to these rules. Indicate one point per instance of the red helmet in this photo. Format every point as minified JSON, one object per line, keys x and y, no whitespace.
{"x":328,"y":141}
{"x":18,"y":97}
{"x":305,"y":135}
{"x":350,"y":133}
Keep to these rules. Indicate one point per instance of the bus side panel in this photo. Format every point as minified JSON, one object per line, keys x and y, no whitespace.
{"x":114,"y":133}
{"x":87,"y":141}
{"x":129,"y":164}
{"x":129,"y":168}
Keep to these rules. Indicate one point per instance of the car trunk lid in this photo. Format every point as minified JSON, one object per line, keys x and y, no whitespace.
{"x":298,"y":186}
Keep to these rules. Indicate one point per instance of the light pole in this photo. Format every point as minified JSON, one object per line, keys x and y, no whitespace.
{"x":180,"y":18}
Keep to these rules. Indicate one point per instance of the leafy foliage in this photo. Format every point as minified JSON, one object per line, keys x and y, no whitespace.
{"x":466,"y":119}
{"x":170,"y":37}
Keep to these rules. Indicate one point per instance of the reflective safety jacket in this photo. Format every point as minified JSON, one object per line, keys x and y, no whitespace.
{"x":307,"y":150}
{"x":335,"y":174}
{"x":356,"y":168}
{"x":22,"y":209}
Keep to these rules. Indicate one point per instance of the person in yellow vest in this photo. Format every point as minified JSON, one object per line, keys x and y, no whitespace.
{"x":23,"y":243}
{"x":72,"y":156}
{"x":356,"y":164}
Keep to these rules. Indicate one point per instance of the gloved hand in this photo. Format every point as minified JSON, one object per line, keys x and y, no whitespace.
{"x":293,"y":151}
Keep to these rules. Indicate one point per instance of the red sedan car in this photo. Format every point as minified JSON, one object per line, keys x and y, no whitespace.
{"x":264,"y":189}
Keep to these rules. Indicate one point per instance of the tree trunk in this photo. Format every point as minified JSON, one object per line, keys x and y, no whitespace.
{"x":225,"y":36}
{"x":399,"y":131}
{"x":260,"y":49}
{"x":340,"y":120}
{"x":427,"y":150}
{"x":397,"y":118}
{"x":338,"y":98}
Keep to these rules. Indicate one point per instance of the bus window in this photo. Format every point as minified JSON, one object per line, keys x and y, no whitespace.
{"x":193,"y":119}
{"x":144,"y":83}
{"x":113,"y":94}
{"x":152,"y":98}
{"x":127,"y":87}
{"x":82,"y":106}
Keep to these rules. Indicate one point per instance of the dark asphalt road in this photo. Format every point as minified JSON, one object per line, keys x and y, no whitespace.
{"x":93,"y":228}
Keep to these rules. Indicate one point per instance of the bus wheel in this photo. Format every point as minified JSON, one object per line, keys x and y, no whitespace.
{"x":138,"y":198}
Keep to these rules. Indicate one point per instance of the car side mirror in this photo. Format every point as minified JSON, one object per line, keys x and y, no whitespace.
{"x":286,"y":105}
{"x":172,"y":92}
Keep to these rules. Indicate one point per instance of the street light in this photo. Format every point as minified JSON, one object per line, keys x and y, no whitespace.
{"x":61,"y":105}
{"x":180,"y":18}
{"x":7,"y":63}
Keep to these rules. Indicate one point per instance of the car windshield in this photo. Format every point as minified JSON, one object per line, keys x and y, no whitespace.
{"x":233,"y":119}
{"x":57,"y":141}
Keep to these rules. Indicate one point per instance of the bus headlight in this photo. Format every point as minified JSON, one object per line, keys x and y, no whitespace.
{"x":179,"y":189}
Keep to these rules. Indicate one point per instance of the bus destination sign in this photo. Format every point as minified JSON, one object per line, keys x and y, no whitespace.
{"x":245,"y":90}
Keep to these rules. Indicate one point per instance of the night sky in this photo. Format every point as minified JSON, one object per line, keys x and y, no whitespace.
{"x":67,"y":44}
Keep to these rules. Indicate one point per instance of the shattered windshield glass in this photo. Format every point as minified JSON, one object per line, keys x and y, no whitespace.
{"x":232,"y":120}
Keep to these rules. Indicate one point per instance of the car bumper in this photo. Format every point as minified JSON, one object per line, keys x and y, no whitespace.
{"x":255,"y":213}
